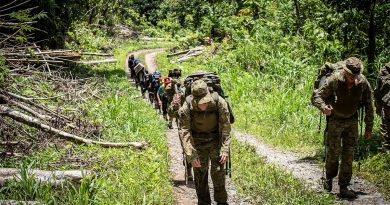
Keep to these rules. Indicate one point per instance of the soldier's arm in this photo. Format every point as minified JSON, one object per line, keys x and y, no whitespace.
{"x":185,"y":133}
{"x":225,"y":126}
{"x":382,"y":88}
{"x":368,"y":106}
{"x":323,"y":93}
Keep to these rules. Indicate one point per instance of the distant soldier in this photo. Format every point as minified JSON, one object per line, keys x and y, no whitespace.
{"x":205,"y":134}
{"x":339,"y":98}
{"x":382,"y":103}
{"x":165,"y":96}
{"x":132,"y":62}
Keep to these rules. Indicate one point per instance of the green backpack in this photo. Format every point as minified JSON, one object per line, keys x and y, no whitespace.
{"x":213,"y":82}
{"x":323,"y":73}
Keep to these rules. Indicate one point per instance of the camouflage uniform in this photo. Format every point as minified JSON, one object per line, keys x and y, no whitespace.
{"x":382,"y":103}
{"x":342,"y":127}
{"x":205,"y":135}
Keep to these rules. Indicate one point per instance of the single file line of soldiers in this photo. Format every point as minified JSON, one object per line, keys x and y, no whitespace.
{"x":204,"y":121}
{"x":340,"y":91}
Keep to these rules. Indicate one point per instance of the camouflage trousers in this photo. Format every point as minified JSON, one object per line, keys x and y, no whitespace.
{"x":385,"y":128}
{"x":340,"y":141}
{"x":208,"y":151}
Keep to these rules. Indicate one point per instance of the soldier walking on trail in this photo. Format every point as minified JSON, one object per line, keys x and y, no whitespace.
{"x":205,"y":134}
{"x":382,"y":103}
{"x":132,"y":62}
{"x":339,"y":99}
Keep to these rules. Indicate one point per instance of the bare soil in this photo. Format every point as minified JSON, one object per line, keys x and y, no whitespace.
{"x":311,"y":173}
{"x":303,"y":169}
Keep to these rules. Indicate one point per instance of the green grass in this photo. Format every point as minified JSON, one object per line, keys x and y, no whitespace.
{"x":269,"y":86}
{"x":268,"y":184}
{"x":123,"y":176}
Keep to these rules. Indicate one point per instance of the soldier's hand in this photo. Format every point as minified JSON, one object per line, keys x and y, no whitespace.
{"x":367,"y":135}
{"x":327,"y":110}
{"x":223,"y":158}
{"x":195,"y":163}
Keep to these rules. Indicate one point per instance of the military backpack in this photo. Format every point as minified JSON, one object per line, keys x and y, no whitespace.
{"x":323,"y":73}
{"x":214,"y":84}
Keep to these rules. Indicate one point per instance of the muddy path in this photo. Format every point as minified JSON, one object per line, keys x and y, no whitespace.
{"x":303,"y":169}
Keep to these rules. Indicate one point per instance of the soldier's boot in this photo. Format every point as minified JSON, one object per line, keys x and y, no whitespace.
{"x":170,"y":125}
{"x":346,"y":193}
{"x":328,"y":185}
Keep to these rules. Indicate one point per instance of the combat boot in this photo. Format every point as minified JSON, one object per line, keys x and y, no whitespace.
{"x":170,"y":125}
{"x":328,"y":185}
{"x":346,"y":193}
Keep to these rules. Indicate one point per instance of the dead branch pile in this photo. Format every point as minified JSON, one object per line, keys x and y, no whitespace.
{"x":42,"y":91}
{"x":186,"y":54}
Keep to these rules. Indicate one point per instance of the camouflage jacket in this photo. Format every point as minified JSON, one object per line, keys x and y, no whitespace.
{"x":345,"y":102}
{"x":192,"y":121}
{"x":382,"y":88}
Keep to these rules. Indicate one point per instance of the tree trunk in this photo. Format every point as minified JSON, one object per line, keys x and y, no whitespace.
{"x":52,"y":177}
{"x":371,"y":39}
{"x":298,"y":18}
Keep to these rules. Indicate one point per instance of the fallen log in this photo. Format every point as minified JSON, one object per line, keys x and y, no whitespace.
{"x":34,"y":122}
{"x":178,"y":53}
{"x":111,"y":60}
{"x":14,"y":202}
{"x":27,"y":60}
{"x":29,"y":110}
{"x":43,"y":176}
{"x":186,"y":57}
{"x":9,"y":142}
{"x":96,"y":54}
{"x":30,"y":102}
{"x":188,"y":51}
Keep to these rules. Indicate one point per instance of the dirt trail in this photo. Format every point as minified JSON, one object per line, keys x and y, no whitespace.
{"x":184,"y":194}
{"x":303,"y":169}
{"x":311,"y":173}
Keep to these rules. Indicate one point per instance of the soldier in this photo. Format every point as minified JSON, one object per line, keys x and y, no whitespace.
{"x":382,"y":103}
{"x":205,"y":134}
{"x":132,"y":62}
{"x":339,"y":99}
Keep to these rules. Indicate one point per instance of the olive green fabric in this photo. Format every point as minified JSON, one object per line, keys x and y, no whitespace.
{"x":344,"y":101}
{"x":353,"y":65}
{"x":341,"y":140}
{"x":208,"y":151}
{"x":382,"y":103}
{"x":214,"y":120}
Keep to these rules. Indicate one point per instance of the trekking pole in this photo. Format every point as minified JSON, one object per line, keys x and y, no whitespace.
{"x":361,"y":114}
{"x":228,"y":167}
{"x":323,"y":178}
{"x":319,"y":124}
{"x":185,"y":163}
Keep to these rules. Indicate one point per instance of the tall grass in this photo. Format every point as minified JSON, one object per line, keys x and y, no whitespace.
{"x":269,"y":184}
{"x":268,"y":75}
{"x":122,"y":176}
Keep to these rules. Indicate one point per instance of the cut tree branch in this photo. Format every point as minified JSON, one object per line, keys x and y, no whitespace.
{"x":34,"y":122}
{"x":52,"y":177}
